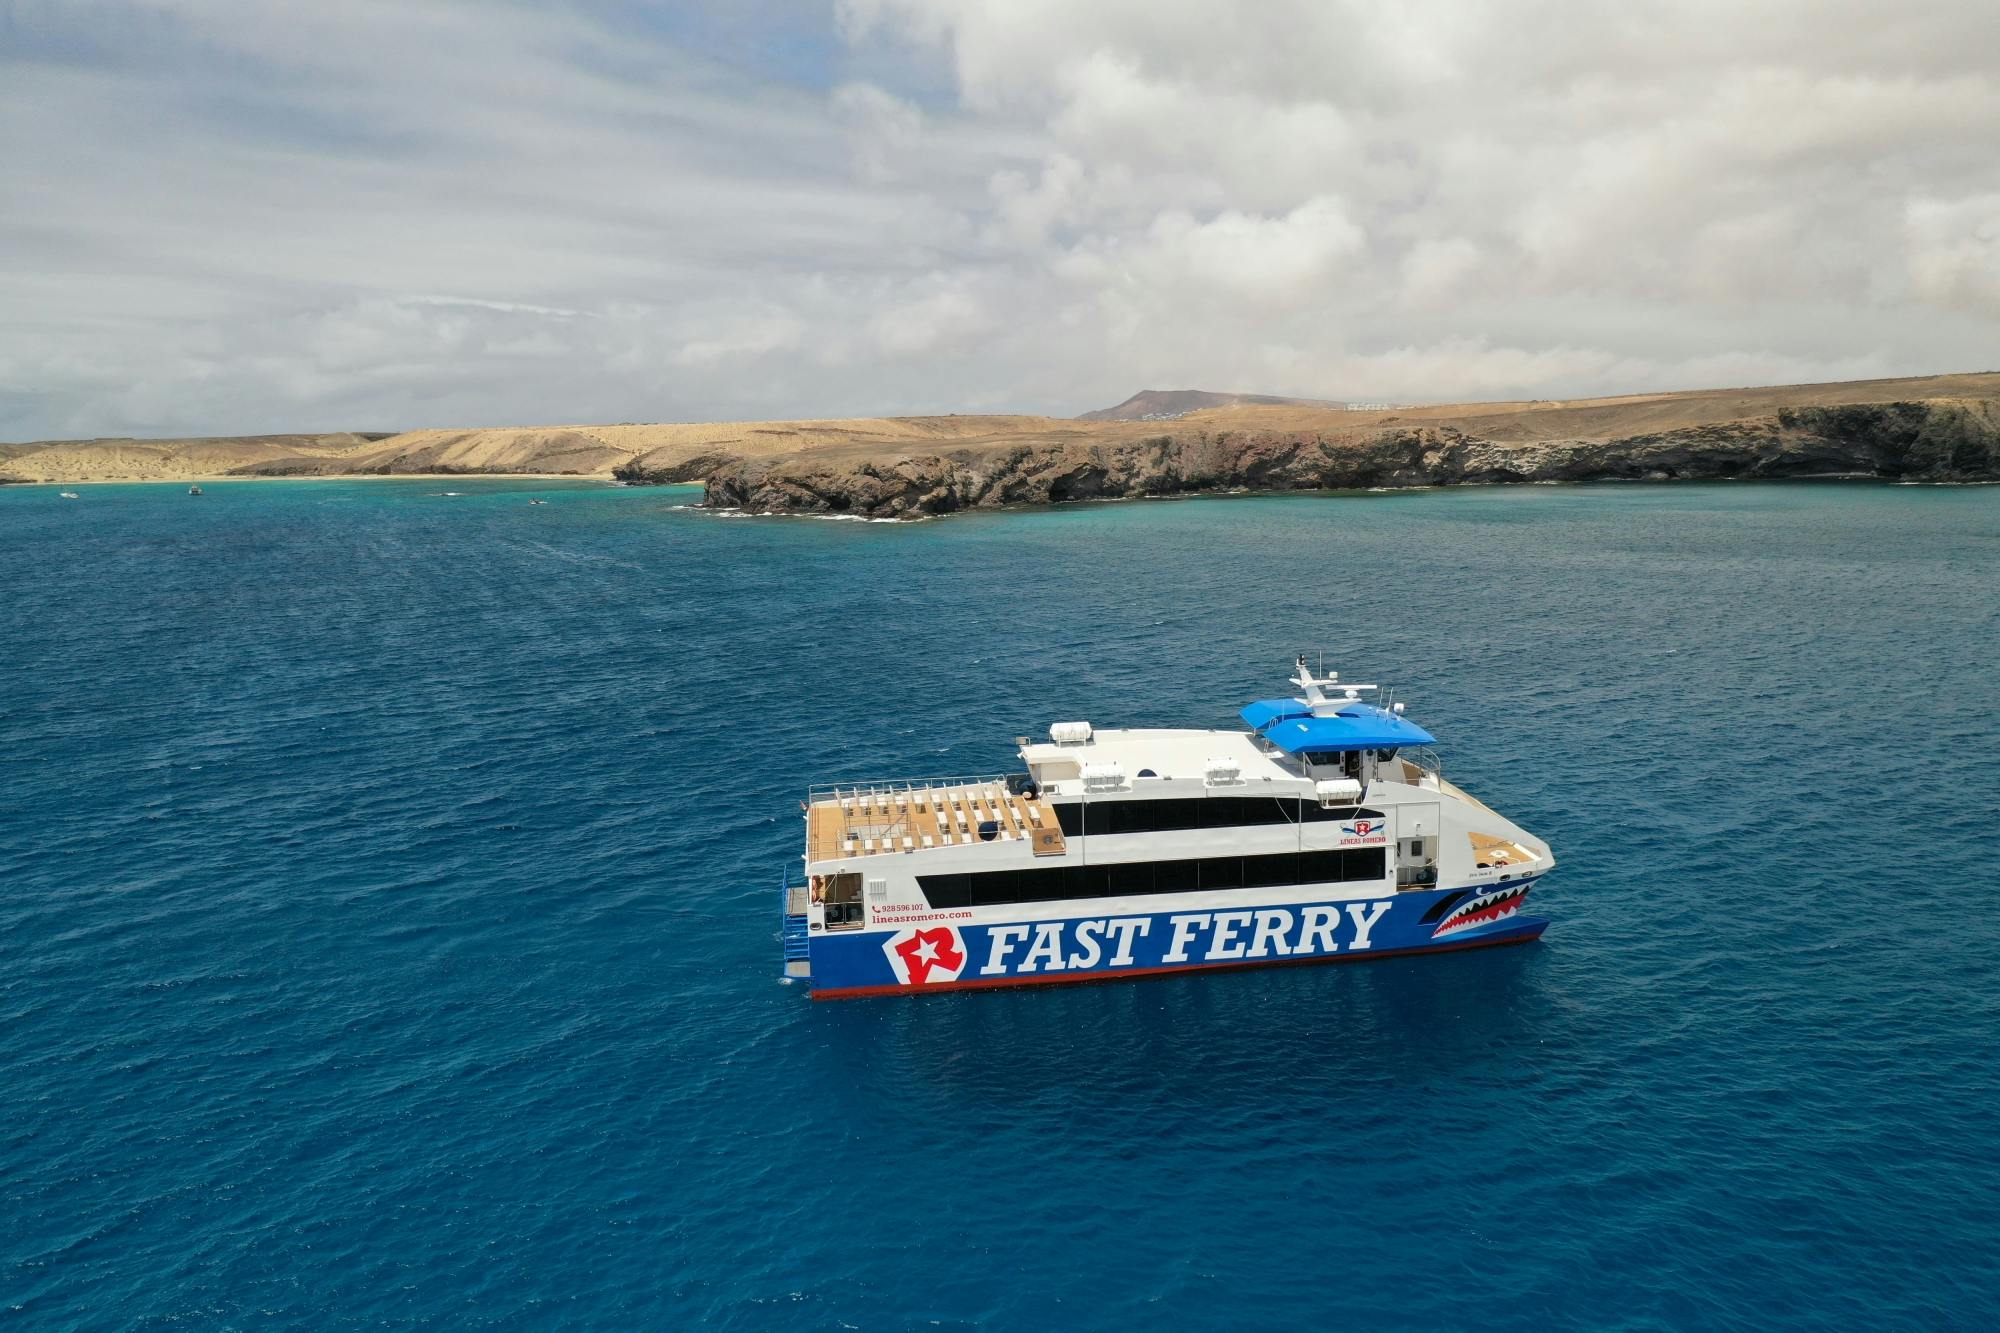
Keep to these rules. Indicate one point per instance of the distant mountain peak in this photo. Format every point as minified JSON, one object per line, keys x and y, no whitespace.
{"x":1166,"y":404}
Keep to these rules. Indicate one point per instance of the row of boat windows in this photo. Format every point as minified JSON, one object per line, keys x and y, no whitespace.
{"x":991,"y":888}
{"x":1165,"y":815}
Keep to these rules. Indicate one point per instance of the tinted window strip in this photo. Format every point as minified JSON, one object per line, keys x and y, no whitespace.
{"x":1132,"y":878}
{"x":1170,"y":813}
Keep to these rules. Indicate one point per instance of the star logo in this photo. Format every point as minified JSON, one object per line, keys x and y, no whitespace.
{"x":922,"y":956}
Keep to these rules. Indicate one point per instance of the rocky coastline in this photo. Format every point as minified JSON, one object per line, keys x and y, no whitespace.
{"x":1940,"y":428}
{"x":1937,"y":440}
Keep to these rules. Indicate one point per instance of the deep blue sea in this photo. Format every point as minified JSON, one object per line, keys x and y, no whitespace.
{"x":389,"y":912}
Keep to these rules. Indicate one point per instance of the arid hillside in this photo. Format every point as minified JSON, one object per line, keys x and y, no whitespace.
{"x":977,"y":460}
{"x":1172,"y":404}
{"x":122,"y":459}
{"x":669,"y":451}
{"x":1936,"y":428}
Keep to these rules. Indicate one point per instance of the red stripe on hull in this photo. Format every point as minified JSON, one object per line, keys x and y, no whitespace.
{"x":989,"y":983}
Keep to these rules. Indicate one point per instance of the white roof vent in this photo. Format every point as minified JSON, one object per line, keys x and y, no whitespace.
{"x":1103,"y":777}
{"x":1338,"y":791}
{"x":1222,"y":772}
{"x":1069,"y":733}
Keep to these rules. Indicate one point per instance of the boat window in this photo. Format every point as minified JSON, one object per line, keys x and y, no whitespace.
{"x":1002,"y":886}
{"x":1129,"y":878}
{"x":1224,"y":811}
{"x":1223,"y":872}
{"x":1169,"y":814}
{"x":1263,"y":872}
{"x":1125,"y":817}
{"x":1360,"y":863}
{"x":841,"y":894}
{"x":1082,"y":882}
{"x":1316,"y":813}
{"x":1232,"y":811}
{"x":947,"y":890}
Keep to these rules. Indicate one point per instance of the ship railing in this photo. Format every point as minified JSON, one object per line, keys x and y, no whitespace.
{"x":897,"y":791}
{"x":888,"y":813}
{"x":1424,"y":763}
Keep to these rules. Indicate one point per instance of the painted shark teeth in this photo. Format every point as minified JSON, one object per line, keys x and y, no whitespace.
{"x":1483,"y":910}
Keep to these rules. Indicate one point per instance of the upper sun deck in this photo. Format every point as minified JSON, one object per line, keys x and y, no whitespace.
{"x":1159,"y":752}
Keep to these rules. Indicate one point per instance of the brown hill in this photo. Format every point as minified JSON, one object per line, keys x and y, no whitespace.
{"x":684,"y":452}
{"x":1934,"y":428}
{"x":121,"y":458}
{"x":658,"y":452}
{"x":1171,"y":404}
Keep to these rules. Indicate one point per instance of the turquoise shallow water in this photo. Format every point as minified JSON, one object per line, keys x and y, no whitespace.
{"x":388,"y":917}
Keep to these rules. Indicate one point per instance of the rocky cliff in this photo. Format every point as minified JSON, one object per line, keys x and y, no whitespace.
{"x":648,"y":471}
{"x":1931,"y":440}
{"x":1933,"y":427}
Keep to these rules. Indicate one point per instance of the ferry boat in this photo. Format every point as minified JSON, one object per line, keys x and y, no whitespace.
{"x":1324,"y":831}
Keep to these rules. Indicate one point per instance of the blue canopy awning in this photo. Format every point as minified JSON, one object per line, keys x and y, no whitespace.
{"x":1356,"y":727}
{"x":1266,"y":711}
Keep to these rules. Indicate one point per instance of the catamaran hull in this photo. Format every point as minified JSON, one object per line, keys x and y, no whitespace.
{"x":940,"y":955}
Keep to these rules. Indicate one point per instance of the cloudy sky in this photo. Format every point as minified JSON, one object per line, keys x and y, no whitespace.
{"x":221,"y":216}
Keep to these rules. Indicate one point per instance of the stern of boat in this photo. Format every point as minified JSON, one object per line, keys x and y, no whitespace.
{"x":794,"y":935}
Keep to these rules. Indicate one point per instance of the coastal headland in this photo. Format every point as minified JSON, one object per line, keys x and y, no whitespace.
{"x":1942,"y":428}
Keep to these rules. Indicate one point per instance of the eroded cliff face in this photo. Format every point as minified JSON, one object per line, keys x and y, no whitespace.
{"x":641,"y":472}
{"x":1936,"y":440}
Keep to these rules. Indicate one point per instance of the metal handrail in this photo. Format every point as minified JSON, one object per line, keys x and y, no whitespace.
{"x":1425,"y":759}
{"x":897,"y":786}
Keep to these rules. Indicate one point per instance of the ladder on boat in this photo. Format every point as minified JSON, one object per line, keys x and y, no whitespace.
{"x":793,"y":932}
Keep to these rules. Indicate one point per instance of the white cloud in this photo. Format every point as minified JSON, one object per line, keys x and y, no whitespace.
{"x":224,"y":215}
{"x":1249,"y":263}
{"x":1435,"y":269}
{"x":1954,"y":251}
{"x":942,"y":320}
{"x":1029,"y":210}
{"x":744,"y":337}
{"x":885,"y":128}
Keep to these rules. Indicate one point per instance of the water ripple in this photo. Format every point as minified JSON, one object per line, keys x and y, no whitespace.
{"x":389,"y":912}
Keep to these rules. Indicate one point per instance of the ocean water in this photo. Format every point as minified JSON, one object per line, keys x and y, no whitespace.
{"x":388,"y":917}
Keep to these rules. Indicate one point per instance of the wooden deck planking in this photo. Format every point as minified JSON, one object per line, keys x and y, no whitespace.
{"x":872,"y":823}
{"x":1491,"y":851}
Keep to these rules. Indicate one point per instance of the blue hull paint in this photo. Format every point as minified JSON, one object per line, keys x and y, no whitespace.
{"x":943,"y":954}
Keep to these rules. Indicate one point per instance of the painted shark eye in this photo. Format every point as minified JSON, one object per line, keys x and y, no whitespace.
{"x":1443,"y":905}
